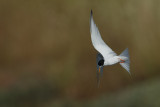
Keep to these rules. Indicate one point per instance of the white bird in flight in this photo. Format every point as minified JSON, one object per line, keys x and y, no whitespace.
{"x":106,"y":56}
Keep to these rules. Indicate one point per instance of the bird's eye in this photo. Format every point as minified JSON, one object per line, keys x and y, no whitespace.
{"x":101,"y":62}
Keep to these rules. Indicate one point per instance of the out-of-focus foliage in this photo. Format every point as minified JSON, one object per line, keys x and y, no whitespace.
{"x":143,"y":95}
{"x":46,"y":55}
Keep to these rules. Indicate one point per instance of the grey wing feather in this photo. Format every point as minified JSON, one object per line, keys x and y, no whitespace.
{"x":97,"y":41}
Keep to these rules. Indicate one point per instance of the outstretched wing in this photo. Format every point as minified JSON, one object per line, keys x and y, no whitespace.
{"x":97,"y":41}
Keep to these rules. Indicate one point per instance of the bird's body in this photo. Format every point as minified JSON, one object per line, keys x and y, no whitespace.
{"x":106,"y":55}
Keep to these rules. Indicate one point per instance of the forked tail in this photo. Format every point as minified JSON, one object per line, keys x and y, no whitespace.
{"x":124,"y":57}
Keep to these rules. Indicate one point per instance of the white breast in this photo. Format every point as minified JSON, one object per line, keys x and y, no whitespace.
{"x":111,"y":61}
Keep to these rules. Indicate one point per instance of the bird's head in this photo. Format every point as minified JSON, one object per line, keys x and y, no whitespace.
{"x":100,"y":62}
{"x":100,"y":65}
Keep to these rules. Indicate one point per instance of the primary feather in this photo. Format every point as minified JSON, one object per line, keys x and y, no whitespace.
{"x":97,"y":41}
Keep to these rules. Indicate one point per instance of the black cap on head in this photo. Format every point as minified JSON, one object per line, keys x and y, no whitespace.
{"x":101,"y":62}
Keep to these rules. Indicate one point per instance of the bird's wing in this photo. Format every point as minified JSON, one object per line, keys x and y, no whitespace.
{"x":97,"y":41}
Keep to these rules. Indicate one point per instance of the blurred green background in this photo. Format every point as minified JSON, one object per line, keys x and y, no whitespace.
{"x":47,"y":58}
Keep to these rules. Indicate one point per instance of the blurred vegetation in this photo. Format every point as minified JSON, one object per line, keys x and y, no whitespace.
{"x":47,"y":59}
{"x":142,"y":95}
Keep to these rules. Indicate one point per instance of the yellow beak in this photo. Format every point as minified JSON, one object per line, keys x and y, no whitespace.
{"x":99,"y":69}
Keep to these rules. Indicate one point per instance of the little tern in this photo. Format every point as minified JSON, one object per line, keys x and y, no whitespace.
{"x":106,"y":56}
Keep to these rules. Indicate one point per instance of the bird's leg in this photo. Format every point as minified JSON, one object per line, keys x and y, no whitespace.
{"x":121,"y":60}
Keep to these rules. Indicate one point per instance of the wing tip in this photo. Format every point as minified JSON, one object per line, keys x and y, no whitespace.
{"x":91,"y":12}
{"x":91,"y":18}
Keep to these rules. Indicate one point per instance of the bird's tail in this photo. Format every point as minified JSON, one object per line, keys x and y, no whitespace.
{"x":125,"y":61}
